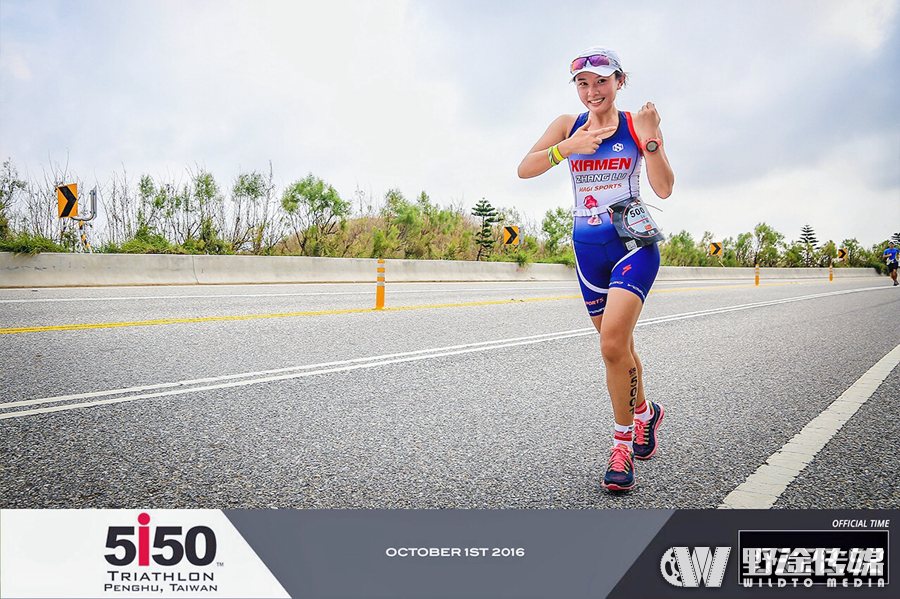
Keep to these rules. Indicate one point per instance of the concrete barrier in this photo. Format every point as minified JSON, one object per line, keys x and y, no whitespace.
{"x":77,"y":270}
{"x":459,"y":270}
{"x":68,"y":270}
{"x":224,"y":270}
{"x":88,"y":270}
{"x":697,"y":273}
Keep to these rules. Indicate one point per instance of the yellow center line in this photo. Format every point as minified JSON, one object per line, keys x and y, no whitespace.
{"x":142,"y":323}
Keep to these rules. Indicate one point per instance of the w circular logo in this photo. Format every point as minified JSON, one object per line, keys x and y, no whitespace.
{"x":618,"y":147}
{"x":684,"y":568}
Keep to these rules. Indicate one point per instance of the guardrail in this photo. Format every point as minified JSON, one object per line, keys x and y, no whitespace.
{"x":96,"y":270}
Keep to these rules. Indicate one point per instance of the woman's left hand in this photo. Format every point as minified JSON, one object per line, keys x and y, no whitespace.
{"x":646,"y":122}
{"x":659,"y":172}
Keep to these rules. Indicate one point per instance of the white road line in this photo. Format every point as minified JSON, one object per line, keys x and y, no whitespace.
{"x":267,"y":379}
{"x":737,"y":308}
{"x":227,"y":381}
{"x":324,"y":365}
{"x":367,"y":291}
{"x":763,"y":488}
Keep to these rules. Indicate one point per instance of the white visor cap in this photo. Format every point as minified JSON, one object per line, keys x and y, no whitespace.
{"x":609,"y":60}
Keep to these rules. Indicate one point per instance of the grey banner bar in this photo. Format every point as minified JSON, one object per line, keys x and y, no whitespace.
{"x":461,"y":554}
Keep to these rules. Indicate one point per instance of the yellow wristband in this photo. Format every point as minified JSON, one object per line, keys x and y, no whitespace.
{"x":556,"y":154}
{"x":553,"y":160}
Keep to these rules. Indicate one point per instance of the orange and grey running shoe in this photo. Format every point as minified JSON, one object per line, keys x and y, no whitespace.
{"x":645,"y":433}
{"x":619,"y":469}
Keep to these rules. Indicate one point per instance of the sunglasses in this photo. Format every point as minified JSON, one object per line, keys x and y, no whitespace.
{"x":597,"y":60}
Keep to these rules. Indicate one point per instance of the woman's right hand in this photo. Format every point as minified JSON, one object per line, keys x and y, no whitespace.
{"x":584,"y":141}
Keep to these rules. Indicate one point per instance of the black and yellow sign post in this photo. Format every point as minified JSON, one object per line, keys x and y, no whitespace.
{"x":67,"y":199}
{"x":715,"y":249}
{"x":842,"y":255}
{"x":511,"y":236}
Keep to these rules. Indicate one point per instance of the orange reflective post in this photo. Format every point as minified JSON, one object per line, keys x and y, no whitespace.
{"x":379,"y":291}
{"x":757,"y":274}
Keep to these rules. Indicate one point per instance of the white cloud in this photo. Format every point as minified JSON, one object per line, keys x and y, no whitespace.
{"x":865,"y":24}
{"x":447,"y":97}
{"x":840,"y":197}
{"x":16,"y":65}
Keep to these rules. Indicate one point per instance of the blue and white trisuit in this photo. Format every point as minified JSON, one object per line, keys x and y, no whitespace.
{"x":601,"y":179}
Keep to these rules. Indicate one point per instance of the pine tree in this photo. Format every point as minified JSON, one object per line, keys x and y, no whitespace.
{"x":809,"y":241}
{"x":484,"y":238}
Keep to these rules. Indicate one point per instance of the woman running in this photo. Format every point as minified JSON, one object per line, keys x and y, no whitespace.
{"x":616,"y":256}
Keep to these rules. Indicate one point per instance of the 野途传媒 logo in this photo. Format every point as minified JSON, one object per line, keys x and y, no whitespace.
{"x":682,"y":567}
{"x":833,"y":558}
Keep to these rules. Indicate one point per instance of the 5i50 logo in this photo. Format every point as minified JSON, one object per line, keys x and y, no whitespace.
{"x":683,"y":568}
{"x":173,"y":546}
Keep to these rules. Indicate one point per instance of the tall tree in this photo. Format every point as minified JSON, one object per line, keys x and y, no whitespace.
{"x":484,"y":238}
{"x":828,"y":255}
{"x":679,"y":250}
{"x":10,"y":185}
{"x":557,"y":224}
{"x":854,"y":252}
{"x":314,"y":210}
{"x":809,"y":241}
{"x":743,"y":249}
{"x":251,"y":214}
{"x":767,"y":242}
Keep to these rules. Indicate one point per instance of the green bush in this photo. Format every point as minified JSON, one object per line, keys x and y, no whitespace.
{"x":25,"y":243}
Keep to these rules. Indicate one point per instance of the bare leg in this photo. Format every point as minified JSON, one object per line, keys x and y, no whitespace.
{"x":640,"y":372}
{"x":623,"y":367}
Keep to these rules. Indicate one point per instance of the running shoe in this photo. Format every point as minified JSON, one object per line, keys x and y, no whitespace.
{"x":645,"y":433}
{"x":619,"y":469}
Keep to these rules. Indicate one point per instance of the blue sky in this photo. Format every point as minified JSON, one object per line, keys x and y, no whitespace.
{"x":778,"y":111}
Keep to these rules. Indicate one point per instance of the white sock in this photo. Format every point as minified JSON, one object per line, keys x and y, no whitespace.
{"x":644,"y":413}
{"x":624,"y":435}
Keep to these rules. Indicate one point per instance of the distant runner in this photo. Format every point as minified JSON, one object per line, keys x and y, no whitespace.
{"x":891,"y":255}
{"x":615,"y":238}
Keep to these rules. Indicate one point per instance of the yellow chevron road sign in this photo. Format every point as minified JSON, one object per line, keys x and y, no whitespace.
{"x":67,"y":199}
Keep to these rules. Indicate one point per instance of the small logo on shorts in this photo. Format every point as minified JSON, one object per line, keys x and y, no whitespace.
{"x":618,"y":147}
{"x":626,"y":268}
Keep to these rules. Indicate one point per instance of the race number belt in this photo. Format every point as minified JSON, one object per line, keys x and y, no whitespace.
{"x":634,"y":224}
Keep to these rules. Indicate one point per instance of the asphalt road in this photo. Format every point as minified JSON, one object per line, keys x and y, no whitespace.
{"x":476,"y":395}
